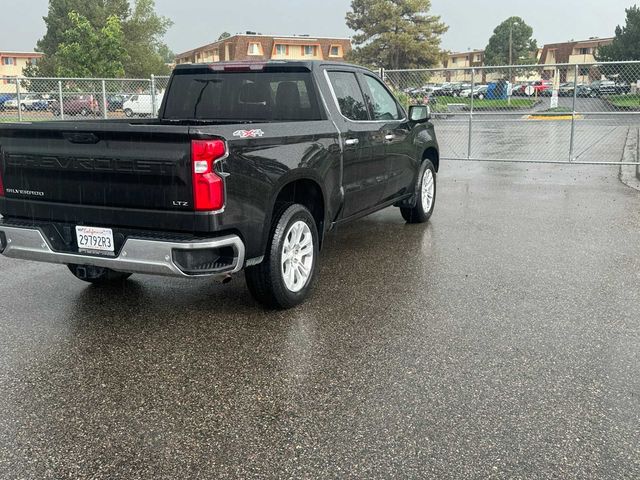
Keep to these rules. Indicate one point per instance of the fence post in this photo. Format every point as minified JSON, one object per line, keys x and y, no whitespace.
{"x":573,"y":113}
{"x":153,"y":96}
{"x":104,"y":100}
{"x":19,"y":99}
{"x":473,"y":84}
{"x":382,"y":74}
{"x":60,"y":100}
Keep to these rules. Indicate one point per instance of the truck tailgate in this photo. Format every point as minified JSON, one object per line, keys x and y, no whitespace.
{"x":103,"y":164}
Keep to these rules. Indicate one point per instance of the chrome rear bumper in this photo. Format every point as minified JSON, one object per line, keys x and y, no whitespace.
{"x":152,"y":257}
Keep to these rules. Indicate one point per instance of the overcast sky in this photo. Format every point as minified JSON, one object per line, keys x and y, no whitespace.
{"x":197,"y":22}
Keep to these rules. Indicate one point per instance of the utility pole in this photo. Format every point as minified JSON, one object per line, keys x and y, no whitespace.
{"x":511,"y":43}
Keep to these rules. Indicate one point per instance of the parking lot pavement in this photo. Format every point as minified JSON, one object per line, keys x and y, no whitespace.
{"x":499,"y":341}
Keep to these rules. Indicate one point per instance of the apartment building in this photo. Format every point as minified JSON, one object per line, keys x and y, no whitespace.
{"x":252,"y":46}
{"x":12,"y":64}
{"x":575,"y":53}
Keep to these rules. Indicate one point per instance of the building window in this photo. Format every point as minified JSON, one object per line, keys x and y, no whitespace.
{"x":281,"y":50}
{"x":255,"y":49}
{"x":478,"y":58}
{"x":309,"y":51}
{"x":7,"y":61}
{"x":454,"y":60}
{"x":335,"y":51}
{"x":585,"y":51}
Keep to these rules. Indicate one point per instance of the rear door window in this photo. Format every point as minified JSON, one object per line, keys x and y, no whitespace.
{"x":349,"y":95}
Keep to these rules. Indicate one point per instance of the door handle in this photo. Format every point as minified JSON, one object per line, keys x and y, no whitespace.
{"x":390,"y":137}
{"x":351,"y":142}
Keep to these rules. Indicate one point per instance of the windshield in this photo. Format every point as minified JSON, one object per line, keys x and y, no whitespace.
{"x":242,"y":96}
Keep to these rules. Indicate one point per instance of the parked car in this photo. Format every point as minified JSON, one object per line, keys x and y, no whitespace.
{"x":541,"y":86}
{"x":116,"y":102}
{"x":520,"y":90}
{"x":567,"y":90}
{"x":84,"y":105}
{"x":584,"y":91}
{"x":5,"y":97}
{"x":141,"y":105}
{"x":246,"y":168}
{"x":32,"y":102}
{"x":479,"y":91}
{"x":458,"y":88}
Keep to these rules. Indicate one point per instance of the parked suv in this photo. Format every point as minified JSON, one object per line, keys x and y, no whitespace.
{"x":84,"y":105}
{"x":608,"y":87}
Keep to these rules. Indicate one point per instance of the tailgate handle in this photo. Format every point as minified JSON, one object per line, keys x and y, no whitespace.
{"x":81,"y":137}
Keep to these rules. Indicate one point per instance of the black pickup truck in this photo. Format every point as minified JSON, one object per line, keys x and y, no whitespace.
{"x":247,"y":167}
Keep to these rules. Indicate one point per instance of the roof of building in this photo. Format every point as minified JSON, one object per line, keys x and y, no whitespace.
{"x":22,"y":54}
{"x":455,"y":54}
{"x":301,"y":38}
{"x":574,"y":42}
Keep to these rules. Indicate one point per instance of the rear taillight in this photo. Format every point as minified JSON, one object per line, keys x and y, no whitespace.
{"x":208,"y":187}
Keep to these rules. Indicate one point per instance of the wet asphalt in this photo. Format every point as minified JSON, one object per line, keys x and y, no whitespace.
{"x":501,"y":340}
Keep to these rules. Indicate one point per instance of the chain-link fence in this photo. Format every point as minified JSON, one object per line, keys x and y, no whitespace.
{"x":38,"y":99}
{"x":556,"y":113}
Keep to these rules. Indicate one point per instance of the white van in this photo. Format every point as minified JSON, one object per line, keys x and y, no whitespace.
{"x":140,"y":105}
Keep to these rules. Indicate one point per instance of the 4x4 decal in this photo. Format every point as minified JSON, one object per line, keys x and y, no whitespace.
{"x":248,"y":133}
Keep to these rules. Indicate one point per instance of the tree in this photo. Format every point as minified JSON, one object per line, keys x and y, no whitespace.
{"x":511,"y":44}
{"x":143,"y":32}
{"x":395,"y":33}
{"x":142,"y":28}
{"x":625,"y":46}
{"x":58,"y":22}
{"x":88,"y":52}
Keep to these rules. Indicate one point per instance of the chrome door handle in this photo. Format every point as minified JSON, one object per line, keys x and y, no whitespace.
{"x":351,"y":142}
{"x":389,"y":137}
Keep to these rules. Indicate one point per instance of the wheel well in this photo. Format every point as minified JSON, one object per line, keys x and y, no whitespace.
{"x":433,"y":155}
{"x":308,"y":193}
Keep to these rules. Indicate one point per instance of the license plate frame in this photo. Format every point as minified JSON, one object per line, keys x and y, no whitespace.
{"x":95,"y":239}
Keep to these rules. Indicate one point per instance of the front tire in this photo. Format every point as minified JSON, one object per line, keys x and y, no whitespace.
{"x":97,"y":275}
{"x":287,"y":274}
{"x":128,"y":113}
{"x":426,"y":196}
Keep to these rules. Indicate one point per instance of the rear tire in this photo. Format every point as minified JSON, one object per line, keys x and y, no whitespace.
{"x":426,"y":198}
{"x":97,"y":275}
{"x":287,"y":274}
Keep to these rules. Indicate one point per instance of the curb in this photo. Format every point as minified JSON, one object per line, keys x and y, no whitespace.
{"x":553,"y":117}
{"x":638,"y":154}
{"x":629,"y":175}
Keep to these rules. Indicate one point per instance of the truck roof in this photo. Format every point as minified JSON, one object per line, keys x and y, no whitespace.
{"x":294,"y":64}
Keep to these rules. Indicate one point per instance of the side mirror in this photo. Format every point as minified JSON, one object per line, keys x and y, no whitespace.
{"x":419,"y":113}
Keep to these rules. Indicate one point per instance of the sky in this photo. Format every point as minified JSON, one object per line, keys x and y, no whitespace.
{"x":471,"y":22}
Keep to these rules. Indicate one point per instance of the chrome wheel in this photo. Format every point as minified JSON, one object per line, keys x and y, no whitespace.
{"x":297,"y":257}
{"x":428,"y":190}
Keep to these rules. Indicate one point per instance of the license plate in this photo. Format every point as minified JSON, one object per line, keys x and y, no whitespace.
{"x":95,"y":239}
